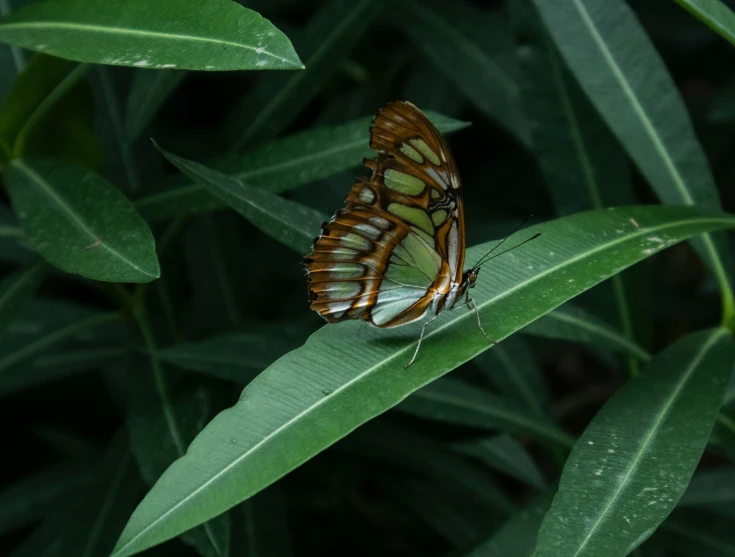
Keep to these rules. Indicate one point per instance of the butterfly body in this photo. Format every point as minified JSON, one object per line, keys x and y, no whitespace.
{"x":394,"y":254}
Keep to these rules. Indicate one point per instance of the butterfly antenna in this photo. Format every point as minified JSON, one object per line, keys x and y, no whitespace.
{"x":514,"y":247}
{"x":482,"y":259}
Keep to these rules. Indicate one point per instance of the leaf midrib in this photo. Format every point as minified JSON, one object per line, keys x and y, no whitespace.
{"x":640,"y":232}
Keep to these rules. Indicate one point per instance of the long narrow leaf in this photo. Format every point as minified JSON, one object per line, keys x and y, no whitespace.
{"x":451,"y":401}
{"x":282,"y":165}
{"x":213,"y":35}
{"x":634,"y":461}
{"x":348,"y":373}
{"x":284,"y":220}
{"x":466,"y":45}
{"x":574,"y":324}
{"x":714,"y":13}
{"x":618,"y":67}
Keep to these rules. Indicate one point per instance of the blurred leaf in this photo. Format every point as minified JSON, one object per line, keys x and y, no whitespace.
{"x":202,"y":36}
{"x":574,"y":324}
{"x":290,"y":223}
{"x":505,"y":454}
{"x":108,"y":503}
{"x":237,"y":357}
{"x":42,"y":493}
{"x":710,"y":487}
{"x":263,"y":526}
{"x":468,"y":46}
{"x":282,"y":165}
{"x":517,"y":537}
{"x":450,"y":519}
{"x":328,"y":38}
{"x":49,"y":112}
{"x":348,"y":373}
{"x":633,"y":462}
{"x":12,"y":58}
{"x":166,"y":413}
{"x":583,"y":164}
{"x":449,"y":400}
{"x":724,"y":431}
{"x":618,"y":67}
{"x":80,"y":223}
{"x":512,"y":369}
{"x":16,"y":288}
{"x":150,"y":89}
{"x":22,"y":357}
{"x":414,"y":452}
{"x":700,"y":536}
{"x":122,"y":159}
{"x":715,"y":14}
{"x":14,"y":246}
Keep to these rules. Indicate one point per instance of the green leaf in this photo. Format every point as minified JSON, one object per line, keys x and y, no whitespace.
{"x":16,"y":288}
{"x":618,"y":67}
{"x":517,"y":537}
{"x":37,"y":495}
{"x":214,"y":35}
{"x":166,"y":413}
{"x":327,"y":39}
{"x":14,"y":246}
{"x":422,"y":456}
{"x":582,"y":163}
{"x":12,"y":58}
{"x":634,"y":461}
{"x":724,"y":431}
{"x":292,"y":224}
{"x":149,"y":90}
{"x":505,"y":454}
{"x":467,"y":45}
{"x":512,"y":369}
{"x":574,"y":324}
{"x":451,"y":401}
{"x":451,"y":517}
{"x":50,"y":112}
{"x":714,"y":14}
{"x":112,"y":120}
{"x":699,"y":535}
{"x":282,"y":165}
{"x":263,"y":526}
{"x":23,"y":357}
{"x":91,"y":532}
{"x":80,"y":223}
{"x":709,"y":487}
{"x":348,"y":373}
{"x":237,"y":357}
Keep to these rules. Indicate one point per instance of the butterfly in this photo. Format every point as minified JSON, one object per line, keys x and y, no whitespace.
{"x":395,"y":253}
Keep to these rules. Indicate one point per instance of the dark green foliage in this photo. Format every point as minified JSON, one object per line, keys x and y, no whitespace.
{"x":167,"y":391}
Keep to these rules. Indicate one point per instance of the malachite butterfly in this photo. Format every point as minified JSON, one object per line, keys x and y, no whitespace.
{"x":395,"y":253}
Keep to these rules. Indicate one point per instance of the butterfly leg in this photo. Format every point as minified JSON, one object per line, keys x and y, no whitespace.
{"x":416,"y":352}
{"x":471,"y":303}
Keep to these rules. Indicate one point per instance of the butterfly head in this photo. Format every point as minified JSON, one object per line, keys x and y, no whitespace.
{"x":470,"y":277}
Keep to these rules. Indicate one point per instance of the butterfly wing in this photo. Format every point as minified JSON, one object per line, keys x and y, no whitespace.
{"x":400,"y":238}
